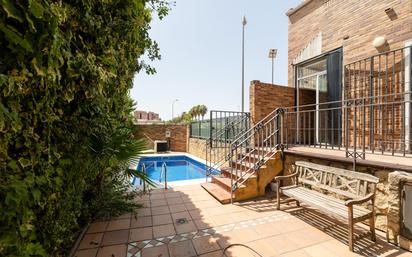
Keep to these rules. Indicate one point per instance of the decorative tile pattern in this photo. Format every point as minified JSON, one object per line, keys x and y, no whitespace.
{"x":134,"y":248}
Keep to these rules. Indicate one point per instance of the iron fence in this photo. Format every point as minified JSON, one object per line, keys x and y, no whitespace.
{"x":373,"y":117}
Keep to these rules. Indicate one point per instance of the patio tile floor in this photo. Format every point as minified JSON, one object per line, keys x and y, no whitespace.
{"x":206,"y":227}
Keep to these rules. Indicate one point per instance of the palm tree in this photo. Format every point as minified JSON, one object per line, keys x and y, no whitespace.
{"x":203,"y":110}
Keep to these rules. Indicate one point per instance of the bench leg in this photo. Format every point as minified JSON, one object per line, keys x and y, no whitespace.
{"x":297,"y":203}
{"x":350,"y":232}
{"x":372,"y":227}
{"x":278,"y":196}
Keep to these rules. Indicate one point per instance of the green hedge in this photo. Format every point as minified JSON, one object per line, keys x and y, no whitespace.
{"x":66,"y":69}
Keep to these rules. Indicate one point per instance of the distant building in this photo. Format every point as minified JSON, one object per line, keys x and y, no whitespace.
{"x":142,"y":116}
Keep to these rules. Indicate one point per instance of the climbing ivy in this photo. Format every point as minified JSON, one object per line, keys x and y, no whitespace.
{"x":66,"y":69}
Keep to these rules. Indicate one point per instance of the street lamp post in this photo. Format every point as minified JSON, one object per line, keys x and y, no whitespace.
{"x":173,"y":106}
{"x":244,"y":22}
{"x":272,"y":55}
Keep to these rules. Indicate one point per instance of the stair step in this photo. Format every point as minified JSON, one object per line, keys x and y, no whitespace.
{"x":227,"y":171}
{"x":224,"y":182}
{"x":262,"y":149}
{"x":247,"y":165}
{"x":217,"y":192}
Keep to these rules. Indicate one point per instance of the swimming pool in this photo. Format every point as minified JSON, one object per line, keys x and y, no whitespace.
{"x":179,"y":167}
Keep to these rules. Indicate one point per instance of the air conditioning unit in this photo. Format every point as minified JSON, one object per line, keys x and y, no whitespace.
{"x":160,"y":146}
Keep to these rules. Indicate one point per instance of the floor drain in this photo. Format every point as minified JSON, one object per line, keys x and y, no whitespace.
{"x":182,"y":221}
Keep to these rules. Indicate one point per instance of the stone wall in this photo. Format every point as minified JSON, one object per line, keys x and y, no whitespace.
{"x":352,"y":25}
{"x":382,"y":191}
{"x":264,"y":98}
{"x":393,"y":234}
{"x":178,"y":135}
{"x":197,"y":147}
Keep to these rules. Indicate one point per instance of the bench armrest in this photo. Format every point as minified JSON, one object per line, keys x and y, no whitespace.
{"x":279,"y":178}
{"x":359,"y":201}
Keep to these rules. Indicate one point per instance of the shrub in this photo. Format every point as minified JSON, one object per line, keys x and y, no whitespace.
{"x":65,"y":74}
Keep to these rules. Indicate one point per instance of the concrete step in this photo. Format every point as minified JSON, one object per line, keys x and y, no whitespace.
{"x":224,"y":182}
{"x":217,"y":192}
{"x":227,"y":171}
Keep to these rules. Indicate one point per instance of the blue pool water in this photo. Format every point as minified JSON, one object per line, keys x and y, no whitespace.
{"x":178,"y":168}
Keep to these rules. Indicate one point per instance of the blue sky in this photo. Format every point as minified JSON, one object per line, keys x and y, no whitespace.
{"x":200,"y":44}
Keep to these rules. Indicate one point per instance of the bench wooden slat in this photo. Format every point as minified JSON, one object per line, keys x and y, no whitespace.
{"x":326,"y":203}
{"x":334,"y":170}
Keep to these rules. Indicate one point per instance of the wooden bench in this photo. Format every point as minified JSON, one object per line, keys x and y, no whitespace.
{"x":351,"y":188}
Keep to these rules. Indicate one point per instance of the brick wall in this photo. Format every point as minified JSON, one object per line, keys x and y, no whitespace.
{"x":264,"y":98}
{"x":358,"y":21}
{"x":178,"y":139}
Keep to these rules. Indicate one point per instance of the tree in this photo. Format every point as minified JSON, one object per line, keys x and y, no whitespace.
{"x":203,"y":110}
{"x":66,"y":70}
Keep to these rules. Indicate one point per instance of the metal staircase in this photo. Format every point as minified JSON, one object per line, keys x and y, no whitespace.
{"x":244,"y":158}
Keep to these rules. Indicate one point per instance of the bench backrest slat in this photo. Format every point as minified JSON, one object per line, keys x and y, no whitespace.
{"x":347,"y":183}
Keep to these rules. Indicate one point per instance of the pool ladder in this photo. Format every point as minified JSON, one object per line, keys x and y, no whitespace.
{"x":163,"y":171}
{"x":141,"y":180}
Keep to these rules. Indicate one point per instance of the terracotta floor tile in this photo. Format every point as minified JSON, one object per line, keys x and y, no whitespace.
{"x":205,"y":244}
{"x":319,"y":250}
{"x":297,"y":253}
{"x":172,"y":195}
{"x":158,"y":251}
{"x":163,"y":230}
{"x":156,"y":196}
{"x":86,"y":253}
{"x":162,"y":219}
{"x":240,"y":251}
{"x":177,"y":208}
{"x":140,"y":222}
{"x":226,"y":238}
{"x":262,"y":247}
{"x":222,"y":219}
{"x":91,"y":241}
{"x":158,"y":191}
{"x":181,"y":215}
{"x":140,"y":234}
{"x":213,"y":254}
{"x":198,"y":214}
{"x":118,"y":224}
{"x":98,"y":226}
{"x":281,"y":244}
{"x":190,"y":206}
{"x":158,"y":202}
{"x":115,"y":237}
{"x":123,"y":216}
{"x":217,"y":211}
{"x":204,"y":223}
{"x":266,"y":230}
{"x":176,"y":200}
{"x":144,"y":212}
{"x":185,"y":228}
{"x":160,"y":210}
{"x":182,"y":249}
{"x":339,"y":248}
{"x":306,"y":237}
{"x":289,"y":225}
{"x":113,"y":251}
{"x":245,"y":235}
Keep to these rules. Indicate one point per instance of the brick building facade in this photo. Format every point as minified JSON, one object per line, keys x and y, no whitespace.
{"x":146,"y":116}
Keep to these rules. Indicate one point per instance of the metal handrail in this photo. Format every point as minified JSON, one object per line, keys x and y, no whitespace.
{"x":254,"y":147}
{"x":217,"y":147}
{"x":163,"y":171}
